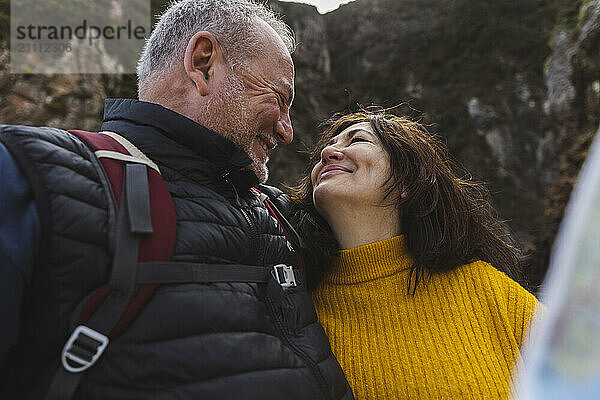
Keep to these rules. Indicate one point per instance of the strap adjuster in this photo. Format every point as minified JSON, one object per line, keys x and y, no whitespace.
{"x":284,"y":275}
{"x":83,"y":349}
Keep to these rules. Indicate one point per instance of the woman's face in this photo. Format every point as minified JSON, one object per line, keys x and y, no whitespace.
{"x":353,"y":169}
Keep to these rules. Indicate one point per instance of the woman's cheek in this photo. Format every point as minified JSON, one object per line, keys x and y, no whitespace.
{"x":313,"y":175}
{"x":318,"y":199}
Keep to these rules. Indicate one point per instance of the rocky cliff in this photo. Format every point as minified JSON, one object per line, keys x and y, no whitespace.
{"x":512,"y":87}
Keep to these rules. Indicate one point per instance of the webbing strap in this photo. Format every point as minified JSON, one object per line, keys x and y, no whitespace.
{"x":138,"y":199}
{"x":179,"y":272}
{"x":136,"y":153}
{"x":134,"y":219}
{"x":123,"y":273}
{"x":115,"y":155}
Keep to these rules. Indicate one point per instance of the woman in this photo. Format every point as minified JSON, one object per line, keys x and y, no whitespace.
{"x":418,"y":302}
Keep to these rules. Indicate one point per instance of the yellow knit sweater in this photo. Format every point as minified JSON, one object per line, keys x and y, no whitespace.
{"x":458,"y":337}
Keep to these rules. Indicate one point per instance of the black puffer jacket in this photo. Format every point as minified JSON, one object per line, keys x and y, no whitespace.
{"x":192,"y":341}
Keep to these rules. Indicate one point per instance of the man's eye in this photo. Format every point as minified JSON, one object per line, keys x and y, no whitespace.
{"x":356,"y":139}
{"x":282,"y":99}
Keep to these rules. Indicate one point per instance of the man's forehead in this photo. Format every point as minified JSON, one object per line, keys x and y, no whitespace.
{"x":275,"y":60}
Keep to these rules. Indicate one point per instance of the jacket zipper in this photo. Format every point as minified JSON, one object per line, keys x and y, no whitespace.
{"x":299,"y":352}
{"x":253,"y":238}
{"x":252,"y":231}
{"x":279,"y":326}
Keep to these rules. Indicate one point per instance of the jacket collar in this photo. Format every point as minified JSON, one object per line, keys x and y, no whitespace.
{"x":226,"y":155}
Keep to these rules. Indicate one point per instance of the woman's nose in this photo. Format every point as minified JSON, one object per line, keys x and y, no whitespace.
{"x":331,"y":153}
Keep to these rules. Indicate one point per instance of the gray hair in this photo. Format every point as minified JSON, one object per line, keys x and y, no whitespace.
{"x":232,"y":22}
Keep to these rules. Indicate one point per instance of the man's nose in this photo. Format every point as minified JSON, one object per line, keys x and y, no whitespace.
{"x":283,"y":129}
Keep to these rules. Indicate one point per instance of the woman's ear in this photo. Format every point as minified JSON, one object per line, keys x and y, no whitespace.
{"x":200,"y":59}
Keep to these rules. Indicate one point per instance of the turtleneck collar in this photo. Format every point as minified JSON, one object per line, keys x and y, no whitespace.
{"x":220,"y":151}
{"x":369,"y":262}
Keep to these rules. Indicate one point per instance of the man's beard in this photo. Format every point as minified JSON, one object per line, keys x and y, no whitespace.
{"x":226,"y":114}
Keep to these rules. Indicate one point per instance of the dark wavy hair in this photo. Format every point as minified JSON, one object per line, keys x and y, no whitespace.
{"x":447,"y":221}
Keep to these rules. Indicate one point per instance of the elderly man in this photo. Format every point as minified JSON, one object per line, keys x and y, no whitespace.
{"x":215,"y":88}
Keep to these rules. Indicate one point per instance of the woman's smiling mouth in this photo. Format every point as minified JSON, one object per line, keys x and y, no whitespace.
{"x":332,"y":170}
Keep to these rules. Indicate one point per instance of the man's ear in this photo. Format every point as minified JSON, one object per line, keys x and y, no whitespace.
{"x":200,"y":58}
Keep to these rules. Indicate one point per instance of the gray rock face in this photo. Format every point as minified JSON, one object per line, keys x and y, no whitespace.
{"x":590,"y":21}
{"x":559,"y":74}
{"x":571,"y":111}
{"x":574,"y":48}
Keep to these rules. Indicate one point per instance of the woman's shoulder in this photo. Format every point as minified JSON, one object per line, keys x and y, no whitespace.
{"x":486,"y":277}
{"x":501,"y":293}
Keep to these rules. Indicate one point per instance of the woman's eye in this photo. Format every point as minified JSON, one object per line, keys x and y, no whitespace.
{"x":356,"y":139}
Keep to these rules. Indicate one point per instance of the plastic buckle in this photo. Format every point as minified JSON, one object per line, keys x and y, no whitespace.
{"x":83,"y":349}
{"x":284,"y":275}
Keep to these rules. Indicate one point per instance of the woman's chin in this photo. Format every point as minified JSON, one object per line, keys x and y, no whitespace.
{"x":322,"y":195}
{"x":327,"y":196}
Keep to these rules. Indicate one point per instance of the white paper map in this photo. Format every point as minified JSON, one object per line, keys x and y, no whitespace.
{"x":563,"y":359}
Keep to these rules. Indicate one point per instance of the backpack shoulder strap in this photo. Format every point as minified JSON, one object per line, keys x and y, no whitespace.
{"x":145,"y":229}
{"x":114,"y":151}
